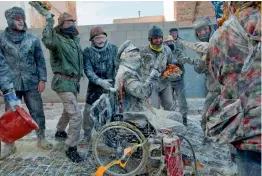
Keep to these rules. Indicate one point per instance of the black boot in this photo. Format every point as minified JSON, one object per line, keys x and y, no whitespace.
{"x":61,"y":135}
{"x":185,"y":121}
{"x":73,"y":155}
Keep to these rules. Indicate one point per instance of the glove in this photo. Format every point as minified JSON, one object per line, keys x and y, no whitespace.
{"x":40,"y":9}
{"x":154,"y":74}
{"x":188,"y":60}
{"x":202,"y":46}
{"x":105,"y":83}
{"x":175,"y":76}
{"x":148,"y":57}
{"x":200,"y":64}
{"x":12,"y":100}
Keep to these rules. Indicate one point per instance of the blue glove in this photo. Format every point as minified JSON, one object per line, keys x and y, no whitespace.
{"x":12,"y":100}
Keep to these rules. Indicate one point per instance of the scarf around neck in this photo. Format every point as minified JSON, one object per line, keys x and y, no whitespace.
{"x":97,"y":49}
{"x":14,"y":37}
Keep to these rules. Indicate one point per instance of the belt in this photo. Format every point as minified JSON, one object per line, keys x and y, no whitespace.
{"x":68,"y":77}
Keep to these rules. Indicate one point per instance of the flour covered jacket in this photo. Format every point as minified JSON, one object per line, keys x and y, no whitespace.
{"x":25,"y":59}
{"x":234,"y":59}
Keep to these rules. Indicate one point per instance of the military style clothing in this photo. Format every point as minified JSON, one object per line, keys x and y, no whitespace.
{"x":178,"y":85}
{"x":26,"y":63}
{"x":136,"y":93}
{"x":25,"y":59}
{"x":66,"y":58}
{"x":6,"y":84}
{"x":71,"y":115}
{"x":234,"y":59}
{"x":162,"y":93}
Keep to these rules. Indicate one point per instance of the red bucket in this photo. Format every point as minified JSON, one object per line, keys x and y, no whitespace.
{"x":15,"y":125}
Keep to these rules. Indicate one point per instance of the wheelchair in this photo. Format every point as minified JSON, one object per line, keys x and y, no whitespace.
{"x":123,"y":142}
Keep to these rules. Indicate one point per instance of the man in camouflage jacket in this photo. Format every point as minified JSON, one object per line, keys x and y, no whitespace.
{"x":234,"y":59}
{"x":155,"y":57}
{"x":178,"y":84}
{"x":66,"y":60}
{"x":136,"y":91}
{"x":100,"y":66}
{"x":26,"y":62}
{"x":203,"y":32}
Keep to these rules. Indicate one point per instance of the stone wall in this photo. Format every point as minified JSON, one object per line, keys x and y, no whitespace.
{"x":117,"y":34}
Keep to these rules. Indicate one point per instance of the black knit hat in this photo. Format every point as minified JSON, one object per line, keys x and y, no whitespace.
{"x":173,"y":30}
{"x":154,"y":32}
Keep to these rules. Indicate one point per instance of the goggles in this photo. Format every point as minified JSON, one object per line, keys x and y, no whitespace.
{"x":100,"y":38}
{"x":19,"y":18}
{"x":203,"y":30}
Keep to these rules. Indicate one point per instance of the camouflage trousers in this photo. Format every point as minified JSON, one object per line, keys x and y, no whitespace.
{"x":209,"y":100}
{"x":87,"y":122}
{"x":162,"y":95}
{"x":34,"y":103}
{"x":71,"y":116}
{"x":179,"y":89}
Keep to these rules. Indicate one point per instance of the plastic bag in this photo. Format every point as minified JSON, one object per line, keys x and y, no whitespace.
{"x":101,"y":111}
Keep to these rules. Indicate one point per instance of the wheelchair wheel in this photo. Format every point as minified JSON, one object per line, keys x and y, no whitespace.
{"x":110,"y":143}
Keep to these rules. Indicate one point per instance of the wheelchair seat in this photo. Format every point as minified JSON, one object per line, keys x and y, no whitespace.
{"x":137,"y":118}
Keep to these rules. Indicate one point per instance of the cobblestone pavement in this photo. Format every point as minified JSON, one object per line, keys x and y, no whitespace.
{"x":30,"y":160}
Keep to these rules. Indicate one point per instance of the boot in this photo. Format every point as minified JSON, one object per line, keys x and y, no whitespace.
{"x":73,"y":155}
{"x":41,"y":141}
{"x":87,"y":141}
{"x":185,"y":121}
{"x":61,"y":136}
{"x":87,"y":138}
{"x":9,"y":149}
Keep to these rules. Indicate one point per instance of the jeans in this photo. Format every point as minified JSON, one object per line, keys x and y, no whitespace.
{"x":34,"y":103}
{"x":248,"y":162}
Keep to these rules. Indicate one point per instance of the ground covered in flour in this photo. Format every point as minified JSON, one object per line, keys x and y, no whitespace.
{"x":30,"y":160}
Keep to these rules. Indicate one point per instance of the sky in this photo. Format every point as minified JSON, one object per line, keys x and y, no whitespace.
{"x":104,"y":12}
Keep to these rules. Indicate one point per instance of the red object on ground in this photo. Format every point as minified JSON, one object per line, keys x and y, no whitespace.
{"x":173,"y":156}
{"x":15,"y":125}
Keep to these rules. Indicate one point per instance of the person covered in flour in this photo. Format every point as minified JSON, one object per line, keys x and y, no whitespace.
{"x":136,"y":93}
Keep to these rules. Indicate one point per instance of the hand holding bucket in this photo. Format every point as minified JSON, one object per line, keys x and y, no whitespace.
{"x":16,"y":124}
{"x":12,"y":100}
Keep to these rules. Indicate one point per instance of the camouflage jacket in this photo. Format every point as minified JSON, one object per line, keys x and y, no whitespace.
{"x":6,"y":84}
{"x":200,"y":64}
{"x":159,"y":63}
{"x":66,"y":58}
{"x":25,"y":60}
{"x":234,"y":59}
{"x":178,"y":55}
{"x":136,"y":93}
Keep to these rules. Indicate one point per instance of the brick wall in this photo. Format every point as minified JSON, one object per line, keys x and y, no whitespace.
{"x":187,"y":12}
{"x":57,"y":7}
